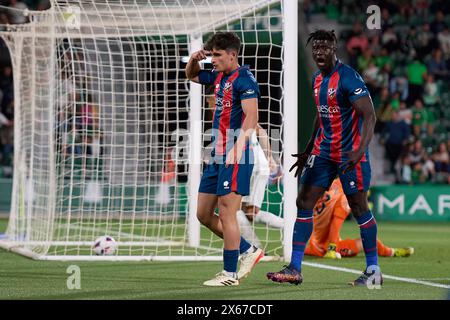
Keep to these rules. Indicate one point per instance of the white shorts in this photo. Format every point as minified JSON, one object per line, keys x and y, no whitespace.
{"x":259,"y":179}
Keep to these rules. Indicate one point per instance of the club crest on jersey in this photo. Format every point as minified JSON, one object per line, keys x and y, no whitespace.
{"x":331,"y":92}
{"x":227,"y":87}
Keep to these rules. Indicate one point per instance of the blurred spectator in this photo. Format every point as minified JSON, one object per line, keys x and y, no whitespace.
{"x":421,"y":7}
{"x":405,"y":171}
{"x":6,"y":138}
{"x":3,"y":21}
{"x":389,"y":40}
{"x":365,"y":60}
{"x":17,"y":16}
{"x":424,"y":41}
{"x":386,"y":20}
{"x":6,"y":86}
{"x":438,"y":24}
{"x":444,"y":42}
{"x":307,"y":10}
{"x":417,"y":153}
{"x":370,"y":75}
{"x":399,"y":84}
{"x":375,"y":45}
{"x":395,"y":101}
{"x":428,"y":169}
{"x":416,"y":72}
{"x":384,"y":116}
{"x":417,"y":173}
{"x":397,"y":133}
{"x":431,"y":91}
{"x":43,"y":5}
{"x":405,"y":113}
{"x":384,"y":76}
{"x":412,"y":43}
{"x":4,"y":121}
{"x":357,"y":44}
{"x":423,"y":119}
{"x":442,"y":159}
{"x":384,"y":58}
{"x":437,"y":66}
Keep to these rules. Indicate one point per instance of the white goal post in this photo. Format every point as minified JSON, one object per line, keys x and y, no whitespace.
{"x":110,"y":136}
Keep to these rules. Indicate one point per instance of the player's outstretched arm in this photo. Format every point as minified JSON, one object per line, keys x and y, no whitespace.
{"x":193,"y":67}
{"x":364,"y":108}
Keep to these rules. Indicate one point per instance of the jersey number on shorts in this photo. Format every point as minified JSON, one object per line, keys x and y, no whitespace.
{"x":309,"y":163}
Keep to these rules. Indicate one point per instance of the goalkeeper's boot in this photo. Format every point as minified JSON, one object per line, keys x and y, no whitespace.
{"x":402,"y":252}
{"x":287,"y":274}
{"x":331,"y":252}
{"x":249,"y":261}
{"x":222,"y":279}
{"x":368,"y":278}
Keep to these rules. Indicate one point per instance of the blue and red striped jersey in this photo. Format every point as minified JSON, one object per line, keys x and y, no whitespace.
{"x":229,"y":90}
{"x":340,"y":126}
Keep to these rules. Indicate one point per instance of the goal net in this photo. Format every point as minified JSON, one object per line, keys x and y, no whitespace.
{"x":110,"y":135}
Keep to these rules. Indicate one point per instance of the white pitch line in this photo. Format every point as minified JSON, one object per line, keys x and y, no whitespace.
{"x":385,"y":276}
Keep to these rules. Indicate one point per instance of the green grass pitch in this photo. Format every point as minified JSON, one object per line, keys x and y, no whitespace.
{"x":22,"y":278}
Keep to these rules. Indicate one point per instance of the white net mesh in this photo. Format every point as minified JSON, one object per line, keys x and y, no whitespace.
{"x":102,"y":121}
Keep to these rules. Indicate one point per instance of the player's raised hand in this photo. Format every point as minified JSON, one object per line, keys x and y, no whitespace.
{"x":300,"y":163}
{"x":353,"y":158}
{"x":200,"y":55}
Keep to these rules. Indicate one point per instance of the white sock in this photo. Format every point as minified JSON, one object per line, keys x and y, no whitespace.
{"x":231,"y":274}
{"x":247,"y":228}
{"x":270,"y":219}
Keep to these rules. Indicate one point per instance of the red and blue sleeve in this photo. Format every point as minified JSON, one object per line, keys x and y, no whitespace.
{"x":247,"y":87}
{"x":353,"y":85}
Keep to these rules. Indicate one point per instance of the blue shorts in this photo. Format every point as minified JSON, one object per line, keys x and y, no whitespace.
{"x":321,"y":172}
{"x":219,"y":180}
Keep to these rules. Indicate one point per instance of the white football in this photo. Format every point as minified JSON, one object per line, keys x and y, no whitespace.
{"x":104,"y":246}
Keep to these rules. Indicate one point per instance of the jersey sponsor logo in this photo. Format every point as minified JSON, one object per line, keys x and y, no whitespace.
{"x":359,"y":91}
{"x":249,"y":92}
{"x":327,"y":109}
{"x":220,"y":105}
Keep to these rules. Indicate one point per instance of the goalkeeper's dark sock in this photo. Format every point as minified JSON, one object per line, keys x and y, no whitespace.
{"x":230,"y":260}
{"x":244,"y":246}
{"x":368,"y":230}
{"x":302,"y":232}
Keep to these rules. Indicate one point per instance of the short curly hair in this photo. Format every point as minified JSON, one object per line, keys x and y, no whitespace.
{"x":223,"y":41}
{"x":322,"y":35}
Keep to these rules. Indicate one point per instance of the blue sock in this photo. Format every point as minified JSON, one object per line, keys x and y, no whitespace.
{"x":244,"y":246}
{"x":303,"y":228}
{"x":368,"y":230}
{"x":230,"y":260}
